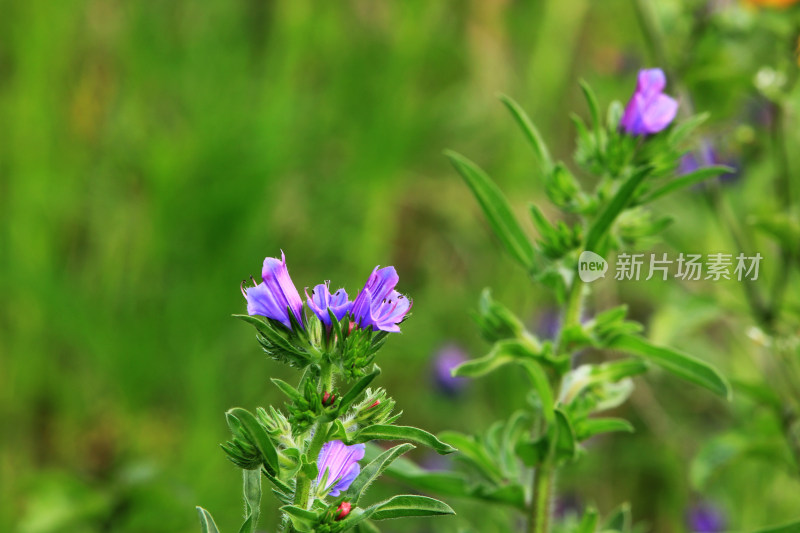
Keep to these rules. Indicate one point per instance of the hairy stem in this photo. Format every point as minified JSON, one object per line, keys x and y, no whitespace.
{"x":544,"y":475}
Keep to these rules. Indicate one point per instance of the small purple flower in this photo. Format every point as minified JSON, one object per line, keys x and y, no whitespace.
{"x":378,"y":304}
{"x":276,"y":295}
{"x":341,"y":463}
{"x":444,"y":362}
{"x":707,"y":156}
{"x":649,"y":110}
{"x":321,"y":300}
{"x":705,"y":518}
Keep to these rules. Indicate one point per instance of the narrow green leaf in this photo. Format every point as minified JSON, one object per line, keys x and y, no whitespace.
{"x":302,"y":519}
{"x":591,"y":101}
{"x":496,"y":208}
{"x":542,"y":385}
{"x":356,"y":390}
{"x":687,"y":180}
{"x":407,"y":433}
{"x":408,"y":505}
{"x":565,"y":445}
{"x":287,"y":389}
{"x":258,"y":435}
{"x":594,"y":426}
{"x":206,"y":521}
{"x":532,"y":452}
{"x":588,"y":523}
{"x":618,"y":203}
{"x":619,"y":519}
{"x":790,"y":527}
{"x":374,"y":469}
{"x":679,"y":364}
{"x":531,"y":133}
{"x":472,"y":452}
{"x":503,"y":352}
{"x":685,"y":128}
{"x":252,"y":499}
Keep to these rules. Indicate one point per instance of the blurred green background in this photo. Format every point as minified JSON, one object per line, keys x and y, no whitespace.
{"x":153,"y":153}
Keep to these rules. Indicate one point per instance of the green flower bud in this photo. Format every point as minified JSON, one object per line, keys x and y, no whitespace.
{"x":376,"y":408}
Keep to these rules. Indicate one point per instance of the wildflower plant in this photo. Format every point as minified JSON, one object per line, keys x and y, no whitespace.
{"x":631,"y":158}
{"x":311,"y":452}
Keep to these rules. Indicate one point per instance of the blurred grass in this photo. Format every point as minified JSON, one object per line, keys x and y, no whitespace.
{"x":154,"y":153}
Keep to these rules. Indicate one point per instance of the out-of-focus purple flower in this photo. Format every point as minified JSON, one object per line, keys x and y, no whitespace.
{"x":705,"y":518}
{"x":706,"y":156}
{"x":321,"y":300}
{"x":649,"y":109}
{"x":341,"y":463}
{"x":445,"y":360}
{"x":549,"y":324}
{"x":276,"y":295}
{"x":378,"y":305}
{"x":568,"y":504}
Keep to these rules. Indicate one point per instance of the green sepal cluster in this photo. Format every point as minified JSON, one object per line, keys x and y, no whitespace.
{"x":346,"y":345}
{"x":250,"y":447}
{"x":325,"y":519}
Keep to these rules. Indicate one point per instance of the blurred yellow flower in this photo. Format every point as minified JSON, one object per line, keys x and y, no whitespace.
{"x":772,"y":3}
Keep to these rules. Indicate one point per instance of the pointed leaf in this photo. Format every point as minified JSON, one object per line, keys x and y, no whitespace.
{"x":594,"y":426}
{"x":531,"y":133}
{"x":259,"y":435}
{"x":252,"y":500}
{"x":686,"y":180}
{"x":302,"y":519}
{"x":207,"y":524}
{"x":618,"y":203}
{"x":679,"y":364}
{"x":407,"y":433}
{"x":408,"y":505}
{"x":374,"y":469}
{"x":356,"y":390}
{"x":496,"y":208}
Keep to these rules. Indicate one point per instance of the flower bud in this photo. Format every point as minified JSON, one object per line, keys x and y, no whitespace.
{"x":344,"y":510}
{"x":496,"y":321}
{"x":328,"y":399}
{"x":376,"y":408}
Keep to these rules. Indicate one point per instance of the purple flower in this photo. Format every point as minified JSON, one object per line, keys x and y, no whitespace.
{"x":321,"y":300}
{"x":649,"y":110}
{"x":705,"y":518}
{"x":444,"y":362}
{"x":341,"y":463}
{"x":378,"y":304}
{"x":276,"y":295}
{"x":704,"y":157}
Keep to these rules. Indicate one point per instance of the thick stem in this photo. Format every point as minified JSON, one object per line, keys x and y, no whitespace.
{"x":542,"y":485}
{"x":302,"y":491}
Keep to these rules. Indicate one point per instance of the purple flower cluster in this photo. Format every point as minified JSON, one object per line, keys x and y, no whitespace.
{"x":341,"y":464}
{"x":377,"y":305}
{"x":649,"y":109}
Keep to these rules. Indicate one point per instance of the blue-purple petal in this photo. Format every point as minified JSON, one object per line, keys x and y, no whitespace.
{"x":651,"y":81}
{"x":276,"y":295}
{"x":660,"y":113}
{"x":649,"y":110}
{"x":341,"y":463}
{"x":381,"y":282}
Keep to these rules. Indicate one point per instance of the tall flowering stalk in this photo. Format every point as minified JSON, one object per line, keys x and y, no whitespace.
{"x":634,"y":157}
{"x":313,"y":453}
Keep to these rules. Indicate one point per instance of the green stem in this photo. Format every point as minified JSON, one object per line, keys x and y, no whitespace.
{"x":302,"y":491}
{"x":544,"y":475}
